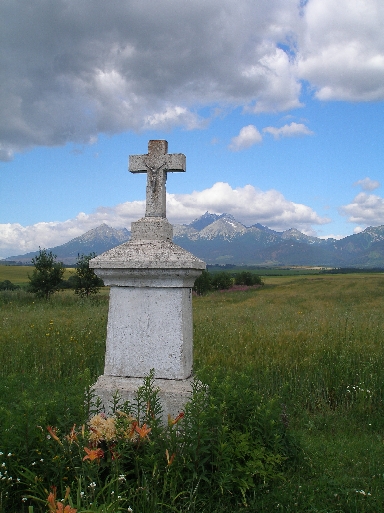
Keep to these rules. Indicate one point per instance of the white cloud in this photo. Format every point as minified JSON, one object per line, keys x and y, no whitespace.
{"x":331,"y":236}
{"x":248,"y":136}
{"x":283,"y":89}
{"x":16,"y":239}
{"x":174,"y":115}
{"x":248,"y":205}
{"x":292,"y":130}
{"x":365,"y":209}
{"x":367,"y":184}
{"x":341,"y":49}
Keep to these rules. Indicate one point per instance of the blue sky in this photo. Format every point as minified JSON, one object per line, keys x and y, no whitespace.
{"x":278,"y":107}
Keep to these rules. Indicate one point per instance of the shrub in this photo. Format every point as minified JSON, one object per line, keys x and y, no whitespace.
{"x":47,"y":275}
{"x":221,"y":281}
{"x":70,"y":283}
{"x":247,"y":278}
{"x":227,"y":445}
{"x":203,"y":283}
{"x":85,"y":280}
{"x":8,"y":285}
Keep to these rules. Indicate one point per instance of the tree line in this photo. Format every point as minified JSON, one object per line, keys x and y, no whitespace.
{"x":47,"y":276}
{"x":224,"y":280}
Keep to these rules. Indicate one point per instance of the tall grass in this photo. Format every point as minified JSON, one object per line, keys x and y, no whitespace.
{"x":310,"y":340}
{"x":313,"y":343}
{"x":51,"y":339}
{"x":50,"y":353}
{"x":318,"y":343}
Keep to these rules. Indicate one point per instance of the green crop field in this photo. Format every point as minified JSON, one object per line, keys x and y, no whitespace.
{"x":18,"y":274}
{"x":311,"y":345}
{"x":268,"y":271}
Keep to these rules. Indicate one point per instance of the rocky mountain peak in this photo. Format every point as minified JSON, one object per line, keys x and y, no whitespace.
{"x":222,"y":239}
{"x":225,"y":227}
{"x":203,"y":221}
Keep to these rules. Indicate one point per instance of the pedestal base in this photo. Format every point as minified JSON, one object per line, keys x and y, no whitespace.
{"x":173,"y":394}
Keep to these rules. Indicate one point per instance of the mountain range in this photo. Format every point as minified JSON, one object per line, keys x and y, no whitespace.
{"x":220,"y":239}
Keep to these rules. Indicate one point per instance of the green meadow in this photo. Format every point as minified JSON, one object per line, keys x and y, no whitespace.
{"x":311,"y":345}
{"x":18,"y":274}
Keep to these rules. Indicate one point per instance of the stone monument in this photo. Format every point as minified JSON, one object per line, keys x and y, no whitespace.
{"x":150,"y":307}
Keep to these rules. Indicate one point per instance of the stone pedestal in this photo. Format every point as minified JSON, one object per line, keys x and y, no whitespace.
{"x":150,"y":308}
{"x":173,"y":394}
{"x":150,"y":315}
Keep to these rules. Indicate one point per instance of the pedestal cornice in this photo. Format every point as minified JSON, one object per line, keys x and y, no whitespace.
{"x":147,"y":254}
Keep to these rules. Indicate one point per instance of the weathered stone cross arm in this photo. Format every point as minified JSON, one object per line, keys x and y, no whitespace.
{"x":156,"y":163}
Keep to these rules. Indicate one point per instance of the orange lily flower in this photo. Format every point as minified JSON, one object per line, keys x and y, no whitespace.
{"x":72,"y":437}
{"x":58,"y":507}
{"x":93,"y":454}
{"x":52,"y":431}
{"x":143,"y":430}
{"x":132,"y":430}
{"x":61,"y":509}
{"x":67,"y":509}
{"x":51,"y":502}
{"x":169,"y":459}
{"x":172,"y":422}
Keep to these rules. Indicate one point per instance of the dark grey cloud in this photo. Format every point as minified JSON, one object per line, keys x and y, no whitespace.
{"x":72,"y":69}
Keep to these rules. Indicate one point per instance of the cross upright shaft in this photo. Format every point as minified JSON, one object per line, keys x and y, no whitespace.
{"x":156,"y":163}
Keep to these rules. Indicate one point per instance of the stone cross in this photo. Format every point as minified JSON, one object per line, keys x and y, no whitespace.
{"x":156,"y":163}
{"x":150,"y":324}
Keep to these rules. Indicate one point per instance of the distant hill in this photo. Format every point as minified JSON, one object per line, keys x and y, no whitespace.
{"x":97,"y":241}
{"x":221,"y":239}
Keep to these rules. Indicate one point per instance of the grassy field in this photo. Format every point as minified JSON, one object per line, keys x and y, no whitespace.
{"x":18,"y":274}
{"x":317,"y":343}
{"x":270,"y":271}
{"x":313,"y":343}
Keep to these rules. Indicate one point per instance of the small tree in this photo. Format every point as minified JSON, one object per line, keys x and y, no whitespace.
{"x":203,"y":283}
{"x":47,"y":275}
{"x":87,"y":282}
{"x":221,"y":281}
{"x":247,"y":278}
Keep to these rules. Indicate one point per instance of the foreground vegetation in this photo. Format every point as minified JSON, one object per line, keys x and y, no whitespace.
{"x":305,"y":352}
